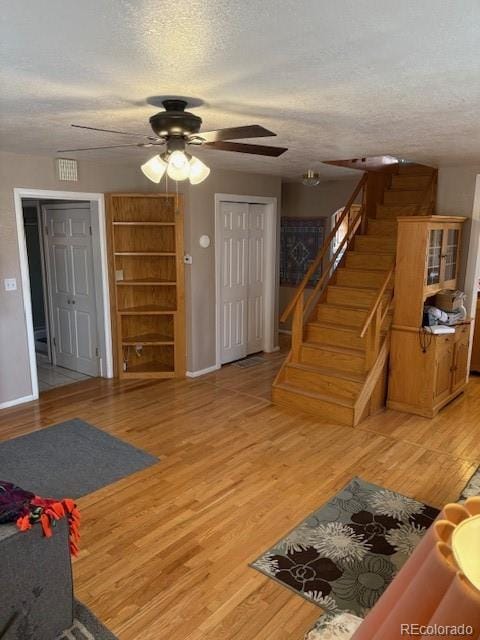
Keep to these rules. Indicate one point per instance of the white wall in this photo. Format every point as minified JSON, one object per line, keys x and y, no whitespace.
{"x":38,"y":172}
{"x":456,"y":196}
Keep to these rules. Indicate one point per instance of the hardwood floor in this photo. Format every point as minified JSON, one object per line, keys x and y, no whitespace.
{"x":165,"y":552}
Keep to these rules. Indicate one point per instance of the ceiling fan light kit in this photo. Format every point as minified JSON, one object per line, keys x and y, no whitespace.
{"x":178,"y":165}
{"x":154,"y":168}
{"x":176,"y":129}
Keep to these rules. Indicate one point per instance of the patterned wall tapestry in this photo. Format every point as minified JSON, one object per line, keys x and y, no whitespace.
{"x":300,"y":241}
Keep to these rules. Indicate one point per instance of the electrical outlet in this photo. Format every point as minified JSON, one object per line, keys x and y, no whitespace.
{"x":10,"y":284}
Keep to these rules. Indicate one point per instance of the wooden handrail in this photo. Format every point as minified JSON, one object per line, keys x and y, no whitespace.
{"x":376,"y":302}
{"x":345,"y":240}
{"x":321,"y":254}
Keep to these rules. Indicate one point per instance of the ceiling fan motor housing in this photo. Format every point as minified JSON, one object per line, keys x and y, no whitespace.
{"x":175,"y":121}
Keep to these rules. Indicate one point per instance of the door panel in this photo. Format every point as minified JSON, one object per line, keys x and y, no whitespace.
{"x":68,"y":245}
{"x":443,"y":370}
{"x":65,"y":332}
{"x":85,"y":336}
{"x":460,"y":363}
{"x":234,"y":290}
{"x":256,"y":277}
{"x":80,"y":272}
{"x":61,"y":269}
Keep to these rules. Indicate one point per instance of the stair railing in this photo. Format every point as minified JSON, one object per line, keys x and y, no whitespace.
{"x":372,"y":327}
{"x":355,"y":215}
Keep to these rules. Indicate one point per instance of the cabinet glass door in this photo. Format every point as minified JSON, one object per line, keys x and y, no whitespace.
{"x":434,"y":256}
{"x":451,"y":253}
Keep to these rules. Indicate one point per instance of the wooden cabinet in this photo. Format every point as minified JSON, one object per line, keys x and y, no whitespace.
{"x":422,"y":379}
{"x":426,"y":370}
{"x":147,"y":284}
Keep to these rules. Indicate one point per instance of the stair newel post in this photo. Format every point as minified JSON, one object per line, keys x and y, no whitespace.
{"x":373,"y":339}
{"x":297,"y":328}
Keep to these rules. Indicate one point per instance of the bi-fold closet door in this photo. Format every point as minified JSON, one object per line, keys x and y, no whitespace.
{"x":242,"y":279}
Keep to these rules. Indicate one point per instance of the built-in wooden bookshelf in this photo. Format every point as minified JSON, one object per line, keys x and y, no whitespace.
{"x":147,"y":284}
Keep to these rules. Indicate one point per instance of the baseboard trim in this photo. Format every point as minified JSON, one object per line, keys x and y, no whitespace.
{"x":13,"y":403}
{"x":202,"y":372}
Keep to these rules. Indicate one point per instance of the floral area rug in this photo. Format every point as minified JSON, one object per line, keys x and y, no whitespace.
{"x":346,"y":553}
{"x":472,"y":488}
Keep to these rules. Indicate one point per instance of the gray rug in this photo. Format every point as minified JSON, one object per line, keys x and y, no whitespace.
{"x":345,"y":554}
{"x":86,"y":626}
{"x":69,"y":459}
{"x":250,"y":361}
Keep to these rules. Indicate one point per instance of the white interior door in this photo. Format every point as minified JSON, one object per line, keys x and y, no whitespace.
{"x":234,"y":283}
{"x":256,"y":277}
{"x":242,"y":279}
{"x":68,"y":249}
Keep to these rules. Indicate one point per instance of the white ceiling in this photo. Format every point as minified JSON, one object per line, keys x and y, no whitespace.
{"x":335,"y":79}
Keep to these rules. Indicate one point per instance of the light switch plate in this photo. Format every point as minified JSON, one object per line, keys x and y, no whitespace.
{"x":187,"y":259}
{"x":10,"y":284}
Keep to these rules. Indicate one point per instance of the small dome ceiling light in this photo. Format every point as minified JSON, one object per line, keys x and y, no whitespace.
{"x":311,"y":178}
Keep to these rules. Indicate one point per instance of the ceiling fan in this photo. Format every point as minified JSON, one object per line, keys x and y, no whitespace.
{"x":177,"y":130}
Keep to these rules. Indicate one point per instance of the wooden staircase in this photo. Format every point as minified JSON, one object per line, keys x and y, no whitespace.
{"x":337,"y":366}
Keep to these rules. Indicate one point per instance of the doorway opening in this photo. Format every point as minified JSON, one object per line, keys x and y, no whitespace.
{"x":59,"y":241}
{"x":246,"y":269}
{"x":63,"y":261}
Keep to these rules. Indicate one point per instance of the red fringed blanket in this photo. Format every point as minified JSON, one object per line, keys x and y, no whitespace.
{"x":26,"y":509}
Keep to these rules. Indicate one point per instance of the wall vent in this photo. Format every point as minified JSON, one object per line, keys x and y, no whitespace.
{"x":67,"y":169}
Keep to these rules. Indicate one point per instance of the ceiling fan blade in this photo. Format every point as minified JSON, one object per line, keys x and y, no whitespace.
{"x":257,"y":149}
{"x":113,"y":146}
{"x":235,"y":133}
{"x":123,"y":133}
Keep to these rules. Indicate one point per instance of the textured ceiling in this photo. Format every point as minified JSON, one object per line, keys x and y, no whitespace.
{"x":334,"y":79}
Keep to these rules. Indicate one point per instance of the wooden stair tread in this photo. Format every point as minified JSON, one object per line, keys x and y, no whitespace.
{"x":355,"y":288}
{"x":408,"y":188}
{"x":330,"y":398}
{"x":341,"y":307}
{"x":362,"y":270}
{"x":354,"y":253}
{"x":334,"y":373}
{"x":347,"y":351}
{"x":331,"y":325}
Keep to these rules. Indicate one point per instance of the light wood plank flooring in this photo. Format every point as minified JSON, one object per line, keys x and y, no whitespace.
{"x":165,"y":552}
